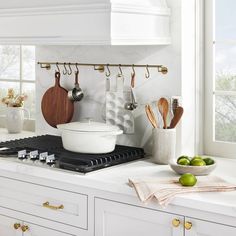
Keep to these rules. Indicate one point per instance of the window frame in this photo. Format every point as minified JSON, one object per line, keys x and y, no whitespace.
{"x":212,"y":147}
{"x":20,"y":80}
{"x":29,"y":124}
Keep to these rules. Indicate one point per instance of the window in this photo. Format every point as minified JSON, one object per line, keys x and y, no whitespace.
{"x":220,"y":78}
{"x":17,"y":71}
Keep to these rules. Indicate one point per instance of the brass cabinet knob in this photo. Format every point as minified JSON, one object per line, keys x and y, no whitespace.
{"x":47,"y":205}
{"x":24,"y":228}
{"x":176,"y":222}
{"x":17,"y":225}
{"x":188,"y":225}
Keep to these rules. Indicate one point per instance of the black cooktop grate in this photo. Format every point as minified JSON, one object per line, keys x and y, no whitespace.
{"x":70,"y":160}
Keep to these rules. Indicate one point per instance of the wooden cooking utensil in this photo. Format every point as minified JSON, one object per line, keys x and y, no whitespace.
{"x":55,"y":105}
{"x":178,"y":114}
{"x":163,"y":107}
{"x":150,"y":115}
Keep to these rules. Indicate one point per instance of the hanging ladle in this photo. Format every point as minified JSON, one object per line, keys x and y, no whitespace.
{"x":133,"y":104}
{"x":76,"y":94}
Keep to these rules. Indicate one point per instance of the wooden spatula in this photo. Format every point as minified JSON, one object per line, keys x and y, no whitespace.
{"x":151,"y":116}
{"x":177,"y":116}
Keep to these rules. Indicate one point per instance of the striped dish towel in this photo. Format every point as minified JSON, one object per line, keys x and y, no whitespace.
{"x":165,"y":189}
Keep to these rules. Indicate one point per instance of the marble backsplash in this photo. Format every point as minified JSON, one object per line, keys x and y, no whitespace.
{"x":93,"y":83}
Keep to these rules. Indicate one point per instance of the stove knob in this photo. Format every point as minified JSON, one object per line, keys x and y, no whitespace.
{"x":22,"y":155}
{"x":51,"y":159}
{"x":43,"y":156}
{"x":34,"y":155}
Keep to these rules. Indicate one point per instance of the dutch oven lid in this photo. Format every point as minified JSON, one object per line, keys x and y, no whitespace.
{"x":88,"y":126}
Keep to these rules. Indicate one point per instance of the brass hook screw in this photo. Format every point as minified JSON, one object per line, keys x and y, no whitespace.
{"x":77,"y":68}
{"x":65,"y":71}
{"x":58,"y":68}
{"x":121,"y":73}
{"x":147,"y":75}
{"x":70,"y":70}
{"x":108,"y":73}
{"x":133,"y":70}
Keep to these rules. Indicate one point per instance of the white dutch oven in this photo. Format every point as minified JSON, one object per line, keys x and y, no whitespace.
{"x":89,"y":137}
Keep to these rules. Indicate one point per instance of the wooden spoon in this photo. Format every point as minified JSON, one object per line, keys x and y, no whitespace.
{"x":163,"y":107}
{"x":177,"y":116}
{"x":150,"y":115}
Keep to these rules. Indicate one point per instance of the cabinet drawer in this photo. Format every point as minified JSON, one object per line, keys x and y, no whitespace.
{"x":54,"y":204}
{"x":36,"y":230}
{"x":7,"y":228}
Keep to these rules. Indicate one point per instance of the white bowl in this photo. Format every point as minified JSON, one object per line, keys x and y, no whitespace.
{"x":195,"y":170}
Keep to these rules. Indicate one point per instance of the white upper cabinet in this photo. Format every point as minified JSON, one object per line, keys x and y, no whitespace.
{"x":85,"y":22}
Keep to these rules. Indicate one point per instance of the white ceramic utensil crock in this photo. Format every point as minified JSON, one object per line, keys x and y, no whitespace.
{"x":164,"y":143}
{"x":89,"y":137}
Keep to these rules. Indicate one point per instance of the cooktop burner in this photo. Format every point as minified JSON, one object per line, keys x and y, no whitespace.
{"x":48,"y":150}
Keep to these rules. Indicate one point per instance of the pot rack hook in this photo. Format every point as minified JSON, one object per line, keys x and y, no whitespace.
{"x":133,"y":70}
{"x":77,"y":68}
{"x":147,"y":75}
{"x":108,"y":73}
{"x":58,"y":68}
{"x":132,"y":78}
{"x":65,"y":71}
{"x":70,"y":70}
{"x":121,"y":73}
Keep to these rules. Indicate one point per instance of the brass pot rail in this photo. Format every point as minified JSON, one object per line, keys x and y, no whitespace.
{"x":100,"y":67}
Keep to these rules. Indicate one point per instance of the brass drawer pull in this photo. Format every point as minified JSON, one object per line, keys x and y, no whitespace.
{"x":188,"y":225}
{"x":17,"y":225}
{"x":47,"y":205}
{"x":24,"y":228}
{"x":176,"y":222}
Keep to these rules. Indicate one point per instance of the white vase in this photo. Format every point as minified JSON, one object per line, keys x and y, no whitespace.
{"x":15,"y":119}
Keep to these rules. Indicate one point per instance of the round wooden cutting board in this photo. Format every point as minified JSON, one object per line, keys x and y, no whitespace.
{"x":56,"y":106}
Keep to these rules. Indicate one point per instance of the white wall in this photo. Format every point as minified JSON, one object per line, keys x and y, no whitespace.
{"x":42,"y":3}
{"x":93,"y":82}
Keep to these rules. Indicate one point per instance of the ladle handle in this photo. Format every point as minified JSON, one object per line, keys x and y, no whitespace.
{"x":76,"y":77}
{"x":132,"y":80}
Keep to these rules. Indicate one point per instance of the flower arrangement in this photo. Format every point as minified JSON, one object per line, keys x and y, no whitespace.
{"x":12,"y":100}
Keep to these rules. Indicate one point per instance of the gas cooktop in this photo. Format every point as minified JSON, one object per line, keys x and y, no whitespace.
{"x":47,"y":150}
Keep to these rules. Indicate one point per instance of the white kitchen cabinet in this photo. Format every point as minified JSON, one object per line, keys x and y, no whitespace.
{"x":108,"y":208}
{"x":196,"y":227}
{"x":100,"y":22}
{"x":53,"y":208}
{"x":14,"y":227}
{"x":7,"y":226}
{"x":53,"y":204}
{"x":36,"y":230}
{"x":116,"y":219}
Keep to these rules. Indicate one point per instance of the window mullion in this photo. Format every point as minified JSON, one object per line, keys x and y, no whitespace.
{"x":224,"y":93}
{"x":21,"y":69}
{"x":18,"y":81}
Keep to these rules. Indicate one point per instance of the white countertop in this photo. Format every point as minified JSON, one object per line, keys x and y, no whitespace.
{"x":114,"y":179}
{"x":4,"y":135}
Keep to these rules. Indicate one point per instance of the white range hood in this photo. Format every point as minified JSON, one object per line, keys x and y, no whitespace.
{"x":85,"y":22}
